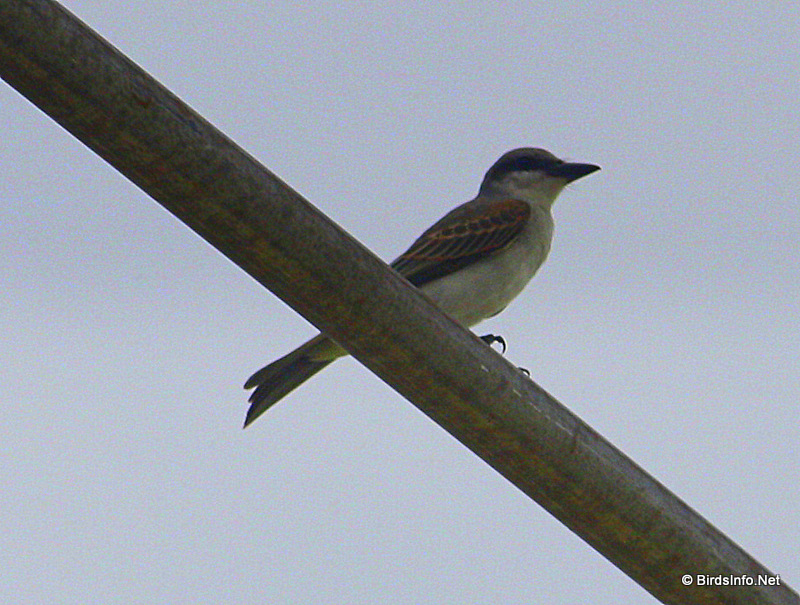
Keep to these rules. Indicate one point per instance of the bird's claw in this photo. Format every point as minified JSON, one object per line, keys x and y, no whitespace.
{"x":490,"y":339}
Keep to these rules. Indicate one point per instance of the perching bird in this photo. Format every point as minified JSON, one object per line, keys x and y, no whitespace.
{"x":471,"y":263}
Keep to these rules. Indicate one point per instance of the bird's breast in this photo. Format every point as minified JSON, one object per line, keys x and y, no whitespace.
{"x":486,"y":287}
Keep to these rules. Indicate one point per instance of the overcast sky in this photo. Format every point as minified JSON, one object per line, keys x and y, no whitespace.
{"x":666,"y":316}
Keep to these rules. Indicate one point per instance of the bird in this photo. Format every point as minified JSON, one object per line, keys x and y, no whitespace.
{"x":472,"y":263}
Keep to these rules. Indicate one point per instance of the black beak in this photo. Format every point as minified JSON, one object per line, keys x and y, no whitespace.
{"x":572,"y":172}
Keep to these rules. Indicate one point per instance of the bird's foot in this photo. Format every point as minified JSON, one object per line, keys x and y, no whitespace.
{"x":490,"y":339}
{"x":525,"y":371}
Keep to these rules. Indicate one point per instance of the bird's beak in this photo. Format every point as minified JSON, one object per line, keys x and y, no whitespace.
{"x":572,"y":171}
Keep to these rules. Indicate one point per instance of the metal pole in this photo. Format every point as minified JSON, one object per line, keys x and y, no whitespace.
{"x":280,"y":239}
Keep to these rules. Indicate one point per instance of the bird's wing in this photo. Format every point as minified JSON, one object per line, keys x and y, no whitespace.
{"x":468,"y":233}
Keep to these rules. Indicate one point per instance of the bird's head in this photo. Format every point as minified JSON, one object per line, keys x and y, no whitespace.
{"x":532,"y":175}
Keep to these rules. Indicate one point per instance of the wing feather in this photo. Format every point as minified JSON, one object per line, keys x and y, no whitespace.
{"x":472,"y":231}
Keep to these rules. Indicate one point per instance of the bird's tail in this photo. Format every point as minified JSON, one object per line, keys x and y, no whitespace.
{"x":278,"y":379}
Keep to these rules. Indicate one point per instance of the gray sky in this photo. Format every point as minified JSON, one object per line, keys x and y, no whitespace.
{"x":666,"y":316}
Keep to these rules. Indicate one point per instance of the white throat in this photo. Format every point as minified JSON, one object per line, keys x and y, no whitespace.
{"x":534,"y":187}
